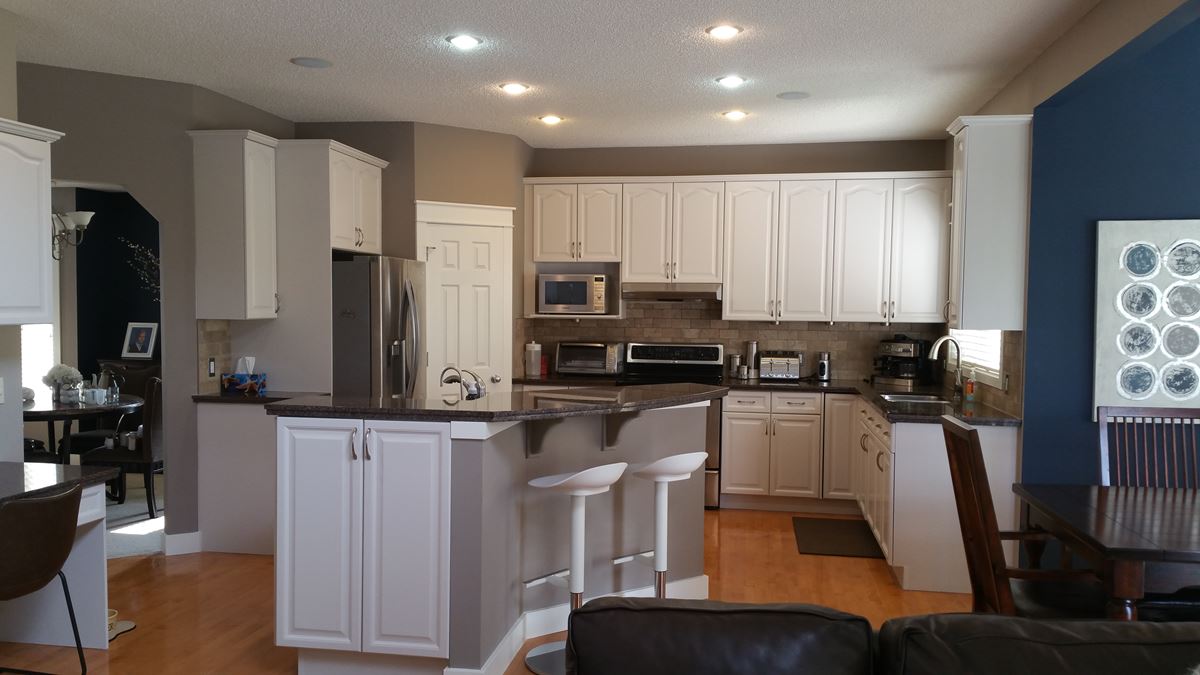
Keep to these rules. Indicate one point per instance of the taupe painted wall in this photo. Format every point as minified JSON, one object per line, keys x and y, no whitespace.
{"x":391,"y":141}
{"x":1099,"y":34}
{"x":727,"y":159}
{"x":8,"y":65}
{"x":131,"y":133}
{"x":11,"y":424}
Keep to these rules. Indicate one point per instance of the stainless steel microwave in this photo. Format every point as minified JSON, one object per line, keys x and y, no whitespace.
{"x":572,"y":293}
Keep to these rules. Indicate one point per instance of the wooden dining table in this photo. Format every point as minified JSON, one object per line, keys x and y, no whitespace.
{"x":1138,"y":540}
{"x":51,"y":412}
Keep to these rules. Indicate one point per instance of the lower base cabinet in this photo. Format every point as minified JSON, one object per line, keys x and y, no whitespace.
{"x":363,"y":536}
{"x":796,"y":455}
{"x":771,"y":454}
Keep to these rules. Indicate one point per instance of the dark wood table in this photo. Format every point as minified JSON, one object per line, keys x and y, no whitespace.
{"x":50,"y":412}
{"x":1137,"y":539}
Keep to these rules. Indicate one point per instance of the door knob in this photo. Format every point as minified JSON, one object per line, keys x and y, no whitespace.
{"x":496,"y":378}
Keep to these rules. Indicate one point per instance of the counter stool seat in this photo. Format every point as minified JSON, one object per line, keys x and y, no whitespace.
{"x":551,"y":658}
{"x":670,"y":469}
{"x":664,"y":472}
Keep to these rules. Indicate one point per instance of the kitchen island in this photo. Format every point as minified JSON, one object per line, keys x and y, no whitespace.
{"x":405,"y":527}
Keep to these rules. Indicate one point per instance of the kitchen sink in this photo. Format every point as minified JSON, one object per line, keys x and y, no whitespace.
{"x":913,"y":398}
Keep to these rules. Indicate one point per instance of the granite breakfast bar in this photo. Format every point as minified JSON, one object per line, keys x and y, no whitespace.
{"x":405,"y":528}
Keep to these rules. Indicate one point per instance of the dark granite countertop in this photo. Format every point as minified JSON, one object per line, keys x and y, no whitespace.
{"x":515,"y":406}
{"x":31,"y":479}
{"x":569,"y":381}
{"x":270,"y":397}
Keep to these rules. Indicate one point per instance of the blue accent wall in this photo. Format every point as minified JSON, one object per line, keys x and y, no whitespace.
{"x":1121,"y":142}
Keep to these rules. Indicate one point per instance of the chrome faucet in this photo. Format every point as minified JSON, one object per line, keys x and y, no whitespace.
{"x":469,"y":390}
{"x":933,"y":354}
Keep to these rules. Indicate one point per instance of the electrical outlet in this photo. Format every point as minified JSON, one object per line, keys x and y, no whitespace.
{"x":212,"y":366}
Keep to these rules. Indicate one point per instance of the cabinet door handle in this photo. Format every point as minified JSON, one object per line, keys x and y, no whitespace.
{"x":883,"y":309}
{"x":893,"y":309}
{"x":276,"y":303}
{"x":667,"y":270}
{"x":879,"y":458}
{"x":862,"y":442}
{"x":778,"y":308}
{"x":946,"y":311}
{"x":746,"y":402}
{"x":674,"y":270}
{"x":367,"y":445}
{"x":353,"y":438}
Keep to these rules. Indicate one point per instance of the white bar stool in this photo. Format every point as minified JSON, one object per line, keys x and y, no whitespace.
{"x":663,"y":472}
{"x":551,"y":658}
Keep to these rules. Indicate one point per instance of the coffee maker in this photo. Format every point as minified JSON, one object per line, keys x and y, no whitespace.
{"x":903,"y":363}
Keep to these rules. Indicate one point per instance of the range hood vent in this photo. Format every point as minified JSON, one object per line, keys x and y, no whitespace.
{"x":664,"y":292}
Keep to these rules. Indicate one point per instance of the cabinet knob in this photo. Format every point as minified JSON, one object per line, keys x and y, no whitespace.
{"x":496,"y":378}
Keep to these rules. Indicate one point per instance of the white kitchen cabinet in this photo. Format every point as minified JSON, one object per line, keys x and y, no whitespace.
{"x":879,"y":466}
{"x":368,"y":189}
{"x":362,"y":536}
{"x":862,"y":250}
{"x":697,"y":239}
{"x":598,"y":238}
{"x":555,"y":210}
{"x":990,"y":222}
{"x":920,"y":250}
{"x":745,"y":453}
{"x":234,"y":179}
{"x":27,"y":272}
{"x":646,"y":208}
{"x":355,"y":200}
{"x":318,"y":533}
{"x":805,"y":251}
{"x":406,"y":542}
{"x":795,"y":455}
{"x":751,"y":231}
{"x":343,"y":228}
{"x":837,"y":450}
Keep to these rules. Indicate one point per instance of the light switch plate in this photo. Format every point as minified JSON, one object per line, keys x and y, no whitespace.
{"x":212,"y":367}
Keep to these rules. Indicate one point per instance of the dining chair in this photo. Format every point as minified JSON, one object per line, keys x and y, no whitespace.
{"x":36,"y":536}
{"x":1149,"y":447}
{"x":997,"y":588}
{"x":146,"y":458}
{"x":132,"y":378}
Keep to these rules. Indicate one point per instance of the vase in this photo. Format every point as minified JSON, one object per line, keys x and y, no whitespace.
{"x":57,"y":393}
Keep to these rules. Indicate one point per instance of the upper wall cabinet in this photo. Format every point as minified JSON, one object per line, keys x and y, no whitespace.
{"x":698,"y":220}
{"x":990,"y":222}
{"x":343,"y":188}
{"x":862,"y":241}
{"x":234,"y":173}
{"x":648,"y":243}
{"x":920,"y":250}
{"x":27,"y":271}
{"x":752,"y":221}
{"x":577,"y":223}
{"x":598,"y":237}
{"x":554,"y":217}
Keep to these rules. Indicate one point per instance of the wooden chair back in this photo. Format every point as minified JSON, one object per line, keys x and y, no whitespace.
{"x":1149,"y":447}
{"x":977,"y":519}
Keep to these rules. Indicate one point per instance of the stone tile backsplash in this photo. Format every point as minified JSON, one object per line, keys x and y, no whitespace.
{"x":212,"y":340}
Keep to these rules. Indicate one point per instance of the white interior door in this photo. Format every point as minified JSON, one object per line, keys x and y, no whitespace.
{"x":468,"y":305}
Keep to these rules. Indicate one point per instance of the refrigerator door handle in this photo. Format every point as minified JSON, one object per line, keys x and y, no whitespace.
{"x":410,"y":301}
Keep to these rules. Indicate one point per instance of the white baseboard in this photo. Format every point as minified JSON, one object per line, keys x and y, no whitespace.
{"x":539,"y":622}
{"x":180,"y":544}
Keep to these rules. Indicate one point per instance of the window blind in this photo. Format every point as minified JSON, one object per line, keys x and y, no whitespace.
{"x":982,"y":352}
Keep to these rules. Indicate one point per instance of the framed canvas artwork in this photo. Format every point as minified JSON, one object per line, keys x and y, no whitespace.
{"x":1148,"y":314}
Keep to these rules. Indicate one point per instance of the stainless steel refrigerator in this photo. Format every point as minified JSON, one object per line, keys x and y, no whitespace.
{"x":377,"y":348}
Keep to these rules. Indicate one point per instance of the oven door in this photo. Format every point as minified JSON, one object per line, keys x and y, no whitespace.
{"x":566,"y":294}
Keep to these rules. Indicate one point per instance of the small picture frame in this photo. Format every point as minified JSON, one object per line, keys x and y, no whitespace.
{"x":139,"y":340}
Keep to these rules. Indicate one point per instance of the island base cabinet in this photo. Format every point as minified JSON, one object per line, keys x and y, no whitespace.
{"x":362,"y":539}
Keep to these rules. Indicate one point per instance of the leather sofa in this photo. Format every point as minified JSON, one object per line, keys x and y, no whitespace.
{"x":637,"y":636}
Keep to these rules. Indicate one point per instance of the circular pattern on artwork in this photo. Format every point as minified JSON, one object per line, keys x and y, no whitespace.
{"x":1183,"y":260}
{"x":1139,"y":300}
{"x":1136,"y":381}
{"x":1141,"y":259}
{"x":1183,"y":300}
{"x":1180,"y":380}
{"x":1180,"y":340}
{"x":1137,"y":340}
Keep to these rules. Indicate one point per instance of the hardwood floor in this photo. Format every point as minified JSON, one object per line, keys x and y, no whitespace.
{"x":215,"y":613}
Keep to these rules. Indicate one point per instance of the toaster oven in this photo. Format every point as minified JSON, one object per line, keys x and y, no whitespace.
{"x":590,"y":358}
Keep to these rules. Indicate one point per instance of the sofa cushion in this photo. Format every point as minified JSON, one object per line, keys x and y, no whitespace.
{"x":643,"y":636}
{"x":983,"y":644}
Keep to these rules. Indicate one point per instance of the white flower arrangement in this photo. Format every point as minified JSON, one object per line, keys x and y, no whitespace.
{"x":62,"y":374}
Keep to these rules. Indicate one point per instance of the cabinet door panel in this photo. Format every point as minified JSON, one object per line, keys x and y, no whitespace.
{"x":862,"y":249}
{"x":698,"y":239}
{"x":920,"y":249}
{"x":554,"y":214}
{"x":343,"y":200}
{"x":745,"y":454}
{"x":953,"y":310}
{"x":599,"y":223}
{"x":369,"y":196}
{"x":406,"y":542}
{"x":27,"y":272}
{"x":751,"y":229}
{"x":796,"y":455}
{"x":318,"y":534}
{"x":259,"y":161}
{"x":806,"y":250}
{"x":647,"y":215}
{"x":838,"y":447}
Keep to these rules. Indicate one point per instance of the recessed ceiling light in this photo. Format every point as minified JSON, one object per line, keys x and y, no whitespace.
{"x":311,"y":62}
{"x":731,"y":81}
{"x":793,"y":95}
{"x":550,"y":119}
{"x":735,"y":115}
{"x":723,"y":32}
{"x":464,"y":42}
{"x":514,"y":88}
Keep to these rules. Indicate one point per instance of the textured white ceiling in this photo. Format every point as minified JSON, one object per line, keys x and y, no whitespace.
{"x":621,"y":72}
